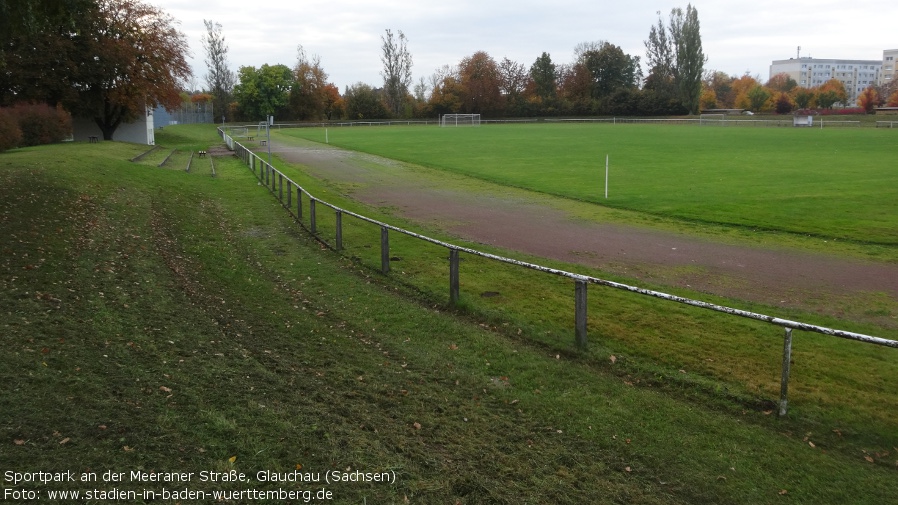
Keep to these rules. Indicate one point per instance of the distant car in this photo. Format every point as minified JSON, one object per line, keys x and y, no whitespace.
{"x":748,"y":113}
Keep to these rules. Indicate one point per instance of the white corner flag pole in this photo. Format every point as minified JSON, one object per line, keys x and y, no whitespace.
{"x":326,"y":141}
{"x":606,"y":176}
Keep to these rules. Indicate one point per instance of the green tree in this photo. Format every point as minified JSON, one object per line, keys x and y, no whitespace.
{"x":220,"y":78}
{"x":802,"y":97}
{"x":544,"y":77}
{"x":660,"y":56}
{"x":264,"y":91}
{"x":364,"y":102}
{"x":690,"y":59}
{"x":609,"y":68}
{"x":41,"y":44}
{"x":757,"y":97}
{"x":675,"y":57}
{"x":397,"y":71}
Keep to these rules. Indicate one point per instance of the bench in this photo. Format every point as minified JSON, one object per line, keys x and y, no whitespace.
{"x":263,"y":142}
{"x":93,"y":139}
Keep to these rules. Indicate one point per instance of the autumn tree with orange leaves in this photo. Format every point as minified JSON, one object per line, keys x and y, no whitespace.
{"x":132,"y":59}
{"x":480,"y":81}
{"x":868,"y":100}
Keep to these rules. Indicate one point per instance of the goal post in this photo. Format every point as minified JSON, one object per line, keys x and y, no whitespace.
{"x":712,"y":118}
{"x":460,"y":120}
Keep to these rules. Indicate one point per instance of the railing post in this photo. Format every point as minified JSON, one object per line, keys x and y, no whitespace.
{"x":339,"y":230}
{"x":580,"y":312}
{"x":281,"y":188}
{"x":289,"y":195}
{"x":299,"y":203}
{"x":453,"y":276}
{"x":787,"y":365}
{"x":312,"y":224}
{"x":384,"y":250}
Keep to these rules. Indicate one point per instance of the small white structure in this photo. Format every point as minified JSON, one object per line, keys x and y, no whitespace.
{"x":803,"y":120}
{"x":139,"y":131}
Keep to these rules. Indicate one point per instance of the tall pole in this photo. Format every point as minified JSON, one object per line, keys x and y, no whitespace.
{"x":268,"y":124}
{"x":606,"y":176}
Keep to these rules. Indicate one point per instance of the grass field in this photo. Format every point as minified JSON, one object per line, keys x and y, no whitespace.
{"x":833,"y":183}
{"x":167,"y":321}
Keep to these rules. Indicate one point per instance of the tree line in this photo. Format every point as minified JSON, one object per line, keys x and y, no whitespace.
{"x":602,"y":79}
{"x":111,"y":60}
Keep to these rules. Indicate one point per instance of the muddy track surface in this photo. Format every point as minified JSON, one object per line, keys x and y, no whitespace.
{"x":503,"y":217}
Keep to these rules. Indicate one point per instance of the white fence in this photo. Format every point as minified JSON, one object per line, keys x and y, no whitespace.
{"x":275,"y":181}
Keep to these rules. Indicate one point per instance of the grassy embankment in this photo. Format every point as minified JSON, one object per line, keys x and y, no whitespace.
{"x":168,"y":321}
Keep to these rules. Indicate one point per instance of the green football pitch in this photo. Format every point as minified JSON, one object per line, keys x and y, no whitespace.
{"x":837,"y":183}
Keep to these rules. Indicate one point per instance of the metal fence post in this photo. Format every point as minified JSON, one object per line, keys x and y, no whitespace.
{"x":453,"y":276}
{"x":384,"y":250}
{"x":787,"y":365}
{"x":289,"y":195}
{"x":312,"y":224}
{"x":281,"y":187}
{"x":339,"y":230}
{"x":580,"y":312}
{"x":299,"y":203}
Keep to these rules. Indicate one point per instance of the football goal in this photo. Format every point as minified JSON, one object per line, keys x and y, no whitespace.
{"x":712,"y":119}
{"x":460,"y":120}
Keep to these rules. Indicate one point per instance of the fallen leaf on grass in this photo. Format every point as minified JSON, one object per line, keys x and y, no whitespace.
{"x":18,"y":441}
{"x":417,"y":425}
{"x":232,"y":459}
{"x":627,"y":469}
{"x":164,"y":389}
{"x":869,"y":459}
{"x":613,"y":359}
{"x":783,"y":491}
{"x":453,"y":347}
{"x":811,"y":444}
{"x":64,"y":441}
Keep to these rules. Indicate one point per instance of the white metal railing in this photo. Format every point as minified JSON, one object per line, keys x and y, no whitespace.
{"x":275,"y":180}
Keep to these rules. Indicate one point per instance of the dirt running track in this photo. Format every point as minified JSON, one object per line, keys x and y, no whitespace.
{"x":508,"y":218}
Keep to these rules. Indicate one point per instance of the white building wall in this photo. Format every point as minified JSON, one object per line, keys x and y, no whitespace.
{"x":138,"y":132}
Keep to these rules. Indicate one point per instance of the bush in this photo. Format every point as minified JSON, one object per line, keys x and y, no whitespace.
{"x":42,"y":124}
{"x":10,"y":134}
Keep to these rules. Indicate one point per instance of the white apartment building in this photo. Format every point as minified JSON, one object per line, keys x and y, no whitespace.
{"x":889,"y":60}
{"x":855,"y":75}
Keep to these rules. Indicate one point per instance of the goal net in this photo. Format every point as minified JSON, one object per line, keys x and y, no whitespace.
{"x":712,"y":118}
{"x":460,"y":120}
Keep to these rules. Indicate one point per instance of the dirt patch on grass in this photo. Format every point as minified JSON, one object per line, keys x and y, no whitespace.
{"x":829,"y":285}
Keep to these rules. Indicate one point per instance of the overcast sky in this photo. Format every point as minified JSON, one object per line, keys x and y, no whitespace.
{"x":737,"y":37}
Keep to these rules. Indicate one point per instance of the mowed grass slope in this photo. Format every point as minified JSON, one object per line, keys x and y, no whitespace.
{"x":165,"y":321}
{"x":836,"y":183}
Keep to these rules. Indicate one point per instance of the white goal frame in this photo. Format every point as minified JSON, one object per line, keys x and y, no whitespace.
{"x":712,"y":118}
{"x":460,"y":120}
